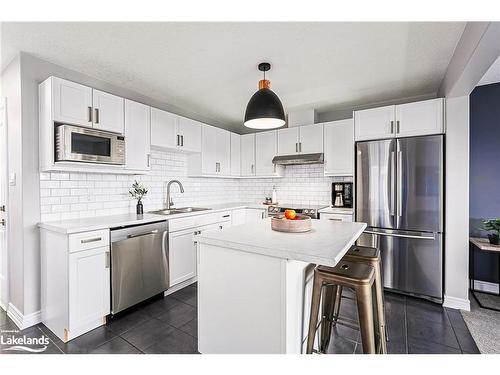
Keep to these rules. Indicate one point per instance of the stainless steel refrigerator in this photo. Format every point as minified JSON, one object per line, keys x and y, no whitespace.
{"x":399,"y":194}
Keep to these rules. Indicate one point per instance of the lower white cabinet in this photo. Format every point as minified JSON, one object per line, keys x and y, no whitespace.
{"x":337,"y":217}
{"x":247,"y":215}
{"x":75,"y":281}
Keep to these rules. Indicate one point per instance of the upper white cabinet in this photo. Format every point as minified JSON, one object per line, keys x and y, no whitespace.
{"x":170,"y":131}
{"x":108,"y":111}
{"x":137,"y":136}
{"x":248,"y":155}
{"x":223,"y":154}
{"x":411,"y":119}
{"x":420,"y":118}
{"x":235,"y":169}
{"x":306,"y":139}
{"x":266,"y":148}
{"x":215,"y":156}
{"x":339,"y":148}
{"x":71,"y":102}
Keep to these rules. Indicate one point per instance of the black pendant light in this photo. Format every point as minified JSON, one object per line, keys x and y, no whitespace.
{"x":264,"y":110}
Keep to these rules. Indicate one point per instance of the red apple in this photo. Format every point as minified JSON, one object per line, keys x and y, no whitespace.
{"x":290,"y":214}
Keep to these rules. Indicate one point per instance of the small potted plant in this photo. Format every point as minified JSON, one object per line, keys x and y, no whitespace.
{"x":138,"y":192}
{"x":492,"y":225}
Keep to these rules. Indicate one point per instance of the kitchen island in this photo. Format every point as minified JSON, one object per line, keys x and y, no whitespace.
{"x":254,"y":284}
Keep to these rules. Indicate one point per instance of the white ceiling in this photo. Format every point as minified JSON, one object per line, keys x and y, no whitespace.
{"x":492,"y":75}
{"x":211,"y":68}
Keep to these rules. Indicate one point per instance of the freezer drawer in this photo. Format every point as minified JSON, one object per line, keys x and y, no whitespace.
{"x":412,"y":262}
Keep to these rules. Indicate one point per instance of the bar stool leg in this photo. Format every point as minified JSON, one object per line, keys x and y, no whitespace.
{"x":338,"y":299}
{"x":365,"y":314}
{"x":327,"y":307}
{"x":313,"y":318}
{"x":379,"y":291}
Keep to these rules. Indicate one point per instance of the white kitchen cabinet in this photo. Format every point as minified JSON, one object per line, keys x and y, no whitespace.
{"x":89,"y":287}
{"x":248,"y":155}
{"x":420,"y":118}
{"x":182,"y":256}
{"x":238,"y":216}
{"x":311,"y":139}
{"x":235,"y":169}
{"x":164,"y":129}
{"x":223,"y":152}
{"x":189,"y":135}
{"x":339,"y":148}
{"x":209,"y":150}
{"x":137,"y":136}
{"x":374,"y":123}
{"x":288,"y":141}
{"x":306,"y":139}
{"x":266,"y":148}
{"x":215,"y":157}
{"x":254,"y":214}
{"x":108,"y":111}
{"x":71,"y":102}
{"x":337,"y":217}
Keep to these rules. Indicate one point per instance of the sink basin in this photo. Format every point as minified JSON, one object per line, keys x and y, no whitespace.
{"x":180,"y":210}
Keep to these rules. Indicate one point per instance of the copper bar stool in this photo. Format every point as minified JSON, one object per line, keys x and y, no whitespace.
{"x":358,"y":276}
{"x":333,"y":294}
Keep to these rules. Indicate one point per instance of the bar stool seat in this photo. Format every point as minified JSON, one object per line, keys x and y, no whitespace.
{"x":358,"y":276}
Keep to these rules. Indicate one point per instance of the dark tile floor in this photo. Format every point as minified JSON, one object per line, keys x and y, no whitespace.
{"x":169,"y":325}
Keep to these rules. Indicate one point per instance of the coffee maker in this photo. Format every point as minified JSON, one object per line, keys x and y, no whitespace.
{"x":342,"y":194}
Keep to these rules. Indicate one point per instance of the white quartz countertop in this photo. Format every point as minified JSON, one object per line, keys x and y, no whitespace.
{"x":337,"y":210}
{"x":113,"y":221}
{"x":325,"y":244}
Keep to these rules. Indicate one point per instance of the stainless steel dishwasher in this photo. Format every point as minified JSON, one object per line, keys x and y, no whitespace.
{"x":139,"y":264}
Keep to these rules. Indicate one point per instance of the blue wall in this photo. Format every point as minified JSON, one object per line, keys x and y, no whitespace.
{"x":484,"y":193}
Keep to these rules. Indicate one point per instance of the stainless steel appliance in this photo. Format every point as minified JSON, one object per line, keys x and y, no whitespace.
{"x":299,"y":159}
{"x":74,"y":143}
{"x":139,"y":264}
{"x":399,"y":194}
{"x":311,"y":210}
{"x":342,"y":194}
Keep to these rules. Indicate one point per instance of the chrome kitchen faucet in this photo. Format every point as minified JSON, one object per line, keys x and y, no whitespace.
{"x":169,"y":202}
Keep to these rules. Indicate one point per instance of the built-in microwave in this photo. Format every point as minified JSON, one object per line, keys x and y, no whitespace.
{"x":74,"y":143}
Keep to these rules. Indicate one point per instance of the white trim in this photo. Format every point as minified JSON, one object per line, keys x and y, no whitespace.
{"x":179,"y":286}
{"x":4,"y":285}
{"x":456,"y":303}
{"x":485,"y":286}
{"x":23,"y":321}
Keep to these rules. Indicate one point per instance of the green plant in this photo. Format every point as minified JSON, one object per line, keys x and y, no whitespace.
{"x":492,"y":225}
{"x":138,"y":191}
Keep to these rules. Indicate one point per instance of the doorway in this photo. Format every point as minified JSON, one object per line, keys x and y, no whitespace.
{"x":4,"y":289}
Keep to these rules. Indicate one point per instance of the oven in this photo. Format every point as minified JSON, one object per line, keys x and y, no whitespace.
{"x":74,"y":143}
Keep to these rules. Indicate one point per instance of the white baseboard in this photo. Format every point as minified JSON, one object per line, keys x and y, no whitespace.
{"x":179,"y":286}
{"x":456,"y":303}
{"x":485,"y":286}
{"x":23,"y":321}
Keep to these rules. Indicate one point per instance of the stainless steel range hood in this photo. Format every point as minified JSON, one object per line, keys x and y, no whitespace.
{"x":317,"y":158}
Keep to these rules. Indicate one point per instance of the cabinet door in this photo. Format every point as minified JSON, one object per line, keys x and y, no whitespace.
{"x":235,"y":154}
{"x":265,"y":151}
{"x":420,"y":118}
{"x":89,"y":288}
{"x":137,"y":136}
{"x":248,"y":155}
{"x":209,"y":150}
{"x":182,"y":256}
{"x":72,"y":102}
{"x":238,"y":216}
{"x":288,"y":140}
{"x":336,"y":217}
{"x":164,"y":129}
{"x":311,"y":139}
{"x":223,"y":152}
{"x":190,"y":133}
{"x":108,"y":111}
{"x":375,"y":123}
{"x":252,"y":214}
{"x":339,"y":148}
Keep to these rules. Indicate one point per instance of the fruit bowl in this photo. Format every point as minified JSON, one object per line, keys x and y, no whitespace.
{"x":300,"y":223}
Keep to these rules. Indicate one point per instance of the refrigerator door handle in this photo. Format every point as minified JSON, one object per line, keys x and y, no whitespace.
{"x":391,"y":184}
{"x":399,"y":182}
{"x":426,"y":237}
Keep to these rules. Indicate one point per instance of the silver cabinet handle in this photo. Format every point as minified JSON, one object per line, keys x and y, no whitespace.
{"x":391,"y":184}
{"x":182,"y":141}
{"x":220,"y":226}
{"x":300,"y":146}
{"x":90,"y":113}
{"x":397,"y":127}
{"x":399,"y":187}
{"x":296,"y":147}
{"x":431,"y":237}
{"x":142,"y":234}
{"x":89,"y":240}
{"x":334,"y":219}
{"x":226,"y":215}
{"x":252,"y":168}
{"x":178,"y":140}
{"x":2,"y":222}
{"x":2,"y":208}
{"x":392,"y":127}
{"x":149,"y":160}
{"x":108,"y":259}
{"x":96,"y":115}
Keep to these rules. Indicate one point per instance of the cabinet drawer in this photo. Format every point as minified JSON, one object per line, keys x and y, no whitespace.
{"x":88,"y":240}
{"x":336,"y":217}
{"x":198,"y":220}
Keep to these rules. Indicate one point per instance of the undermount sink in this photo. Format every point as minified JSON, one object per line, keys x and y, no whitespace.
{"x":180,"y":210}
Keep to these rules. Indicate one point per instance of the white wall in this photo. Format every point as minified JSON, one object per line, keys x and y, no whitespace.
{"x":457,"y":203}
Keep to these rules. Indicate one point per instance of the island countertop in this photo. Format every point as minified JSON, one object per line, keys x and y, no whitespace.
{"x":325,"y":244}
